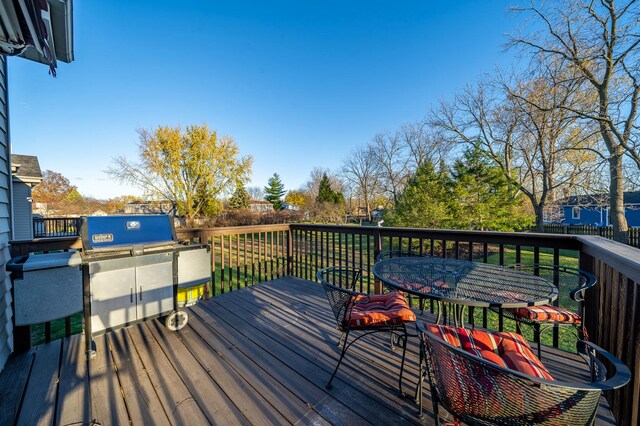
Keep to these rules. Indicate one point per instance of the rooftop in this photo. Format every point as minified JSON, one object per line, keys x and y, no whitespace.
{"x":26,"y":167}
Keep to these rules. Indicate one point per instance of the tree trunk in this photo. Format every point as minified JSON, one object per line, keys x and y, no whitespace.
{"x":539,"y":210}
{"x":616,"y":194}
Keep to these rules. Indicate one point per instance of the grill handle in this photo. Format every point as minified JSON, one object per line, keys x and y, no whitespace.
{"x":131,"y":297}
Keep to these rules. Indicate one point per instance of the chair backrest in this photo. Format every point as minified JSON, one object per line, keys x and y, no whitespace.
{"x":340,"y":284}
{"x":480,"y":392}
{"x":571,"y":283}
{"x":388,"y":254}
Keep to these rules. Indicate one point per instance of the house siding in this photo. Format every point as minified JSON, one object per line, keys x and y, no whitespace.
{"x":588,"y":216}
{"x":22,"y":214}
{"x":6,"y":313}
{"x":592,"y":216}
{"x":633,"y":215}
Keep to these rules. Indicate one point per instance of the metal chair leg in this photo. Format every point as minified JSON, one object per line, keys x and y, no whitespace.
{"x":536,"y":337}
{"x":404,"y":338}
{"x":418,"y":393}
{"x":344,"y":350}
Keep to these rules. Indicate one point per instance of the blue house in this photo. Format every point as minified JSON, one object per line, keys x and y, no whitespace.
{"x":594,"y":209}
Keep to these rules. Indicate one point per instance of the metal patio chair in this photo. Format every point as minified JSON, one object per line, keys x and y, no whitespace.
{"x":357,"y":311}
{"x":389,"y":254}
{"x":478,"y":391}
{"x":572,"y":284}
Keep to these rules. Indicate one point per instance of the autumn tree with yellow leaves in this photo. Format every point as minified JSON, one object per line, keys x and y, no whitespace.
{"x":193,"y":168}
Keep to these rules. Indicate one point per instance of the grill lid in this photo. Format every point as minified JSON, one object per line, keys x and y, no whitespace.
{"x":113,"y":233}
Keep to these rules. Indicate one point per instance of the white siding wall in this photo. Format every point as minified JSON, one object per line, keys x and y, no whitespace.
{"x":22,"y":220}
{"x":6,"y":328}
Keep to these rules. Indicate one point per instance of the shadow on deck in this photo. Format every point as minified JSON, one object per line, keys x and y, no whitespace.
{"x":261,"y":355}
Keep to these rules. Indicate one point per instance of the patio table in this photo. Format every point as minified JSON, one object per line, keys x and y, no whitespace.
{"x":464,"y":283}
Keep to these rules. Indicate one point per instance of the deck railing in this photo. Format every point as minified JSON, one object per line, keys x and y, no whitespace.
{"x":243,"y":256}
{"x":602,"y":231}
{"x":56,"y":227}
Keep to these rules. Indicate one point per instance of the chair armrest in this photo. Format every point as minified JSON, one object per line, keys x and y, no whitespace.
{"x":621,"y":374}
{"x":577,"y":293}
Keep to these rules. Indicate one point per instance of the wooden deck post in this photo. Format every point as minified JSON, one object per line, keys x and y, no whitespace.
{"x":289,"y":251}
{"x":377,"y":249}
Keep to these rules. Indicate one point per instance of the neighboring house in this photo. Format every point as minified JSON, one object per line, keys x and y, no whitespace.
{"x":594,"y":209}
{"x":25,"y":174}
{"x":150,"y":207}
{"x":260,"y":206}
{"x":18,"y":37}
{"x":290,"y":206}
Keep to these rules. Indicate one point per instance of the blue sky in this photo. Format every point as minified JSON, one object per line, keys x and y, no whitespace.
{"x":297,"y":84}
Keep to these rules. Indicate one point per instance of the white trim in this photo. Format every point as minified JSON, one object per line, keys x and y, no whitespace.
{"x":575,"y":210}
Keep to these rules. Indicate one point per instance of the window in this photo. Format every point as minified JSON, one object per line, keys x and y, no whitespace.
{"x":575,"y":213}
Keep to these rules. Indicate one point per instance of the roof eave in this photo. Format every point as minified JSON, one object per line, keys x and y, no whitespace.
{"x":62,"y":29}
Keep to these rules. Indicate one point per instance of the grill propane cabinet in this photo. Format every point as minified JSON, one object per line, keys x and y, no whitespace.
{"x":134,"y":269}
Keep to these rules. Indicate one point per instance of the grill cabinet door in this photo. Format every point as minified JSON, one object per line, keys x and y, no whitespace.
{"x":154,"y":278}
{"x":113,"y":297}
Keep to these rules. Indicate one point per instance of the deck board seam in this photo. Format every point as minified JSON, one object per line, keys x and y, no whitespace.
{"x":327,"y":368}
{"x":265,"y":371}
{"x":354,"y":362}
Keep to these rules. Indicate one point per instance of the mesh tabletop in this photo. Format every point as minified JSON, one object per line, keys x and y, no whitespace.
{"x":464,"y":282}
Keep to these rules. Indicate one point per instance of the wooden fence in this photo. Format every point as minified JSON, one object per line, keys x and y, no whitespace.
{"x":244,"y":256}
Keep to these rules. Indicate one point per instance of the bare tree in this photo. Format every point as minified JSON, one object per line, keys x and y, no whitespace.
{"x":424,"y":143}
{"x":361,"y":172}
{"x":539,"y":150}
{"x":600,"y":40}
{"x":256,"y":193}
{"x":389,"y":151}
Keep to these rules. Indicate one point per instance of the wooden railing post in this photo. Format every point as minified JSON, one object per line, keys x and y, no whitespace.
{"x":289,"y":251}
{"x":586,"y":263}
{"x":21,"y":338}
{"x":377,"y":249}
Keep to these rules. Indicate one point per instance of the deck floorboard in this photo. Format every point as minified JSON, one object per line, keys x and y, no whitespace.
{"x":257,"y":355}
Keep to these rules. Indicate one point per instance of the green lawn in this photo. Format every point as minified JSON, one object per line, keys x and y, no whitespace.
{"x":568,"y":258}
{"x":57,"y":329}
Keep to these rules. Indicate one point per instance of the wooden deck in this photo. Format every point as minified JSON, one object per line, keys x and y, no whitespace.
{"x":261,"y":355}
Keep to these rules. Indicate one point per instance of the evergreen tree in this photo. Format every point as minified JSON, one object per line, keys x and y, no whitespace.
{"x":274,"y":191}
{"x":483,"y":199}
{"x":424,"y":203}
{"x":326,"y":194}
{"x":239,"y":199}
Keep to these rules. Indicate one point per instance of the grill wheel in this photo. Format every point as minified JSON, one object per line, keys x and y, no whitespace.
{"x":176,"y":320}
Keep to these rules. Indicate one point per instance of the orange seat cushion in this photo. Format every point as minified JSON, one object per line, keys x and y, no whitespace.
{"x":547,"y":313}
{"x":379,"y":310}
{"x":505,"y":349}
{"x":517,"y":354}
